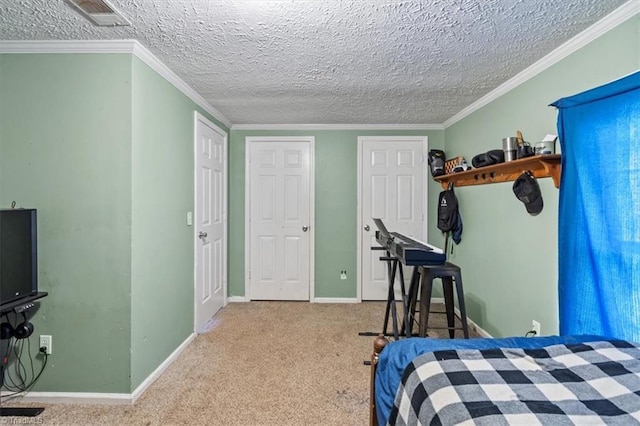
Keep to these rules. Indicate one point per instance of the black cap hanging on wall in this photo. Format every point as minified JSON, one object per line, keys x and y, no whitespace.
{"x":527,"y":190}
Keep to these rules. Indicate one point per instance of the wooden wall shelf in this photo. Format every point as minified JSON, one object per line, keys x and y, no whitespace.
{"x":539,"y":165}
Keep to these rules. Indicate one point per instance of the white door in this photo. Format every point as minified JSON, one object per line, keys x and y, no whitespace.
{"x":280,"y":231}
{"x":210,"y":221}
{"x":393,"y":188}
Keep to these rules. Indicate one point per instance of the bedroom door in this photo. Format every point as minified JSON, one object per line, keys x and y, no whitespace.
{"x":210,"y":221}
{"x":279,"y":229}
{"x":392,"y":182}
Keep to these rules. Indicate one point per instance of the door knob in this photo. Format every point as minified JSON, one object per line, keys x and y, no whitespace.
{"x":202,"y":235}
{"x":366,"y":228}
{"x":305,"y":228}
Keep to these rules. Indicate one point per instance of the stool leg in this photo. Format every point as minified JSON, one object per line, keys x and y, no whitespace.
{"x":413,"y":298}
{"x":463,"y":311}
{"x":447,"y":288}
{"x":425,"y":302}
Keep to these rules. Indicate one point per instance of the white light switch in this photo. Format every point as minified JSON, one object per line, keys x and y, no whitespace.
{"x":189,"y":218}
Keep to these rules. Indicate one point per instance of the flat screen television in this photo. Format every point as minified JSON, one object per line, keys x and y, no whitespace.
{"x":18,"y":256}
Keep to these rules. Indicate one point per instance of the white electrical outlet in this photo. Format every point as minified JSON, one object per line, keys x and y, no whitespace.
{"x":535,"y":326}
{"x":46,"y":342}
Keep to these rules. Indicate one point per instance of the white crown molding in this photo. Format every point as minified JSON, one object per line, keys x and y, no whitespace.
{"x":337,"y":127}
{"x":67,"y":46}
{"x":113,"y":46}
{"x":150,"y":59}
{"x":615,"y":18}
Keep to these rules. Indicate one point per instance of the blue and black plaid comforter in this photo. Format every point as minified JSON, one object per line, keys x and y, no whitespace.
{"x":585,"y":383}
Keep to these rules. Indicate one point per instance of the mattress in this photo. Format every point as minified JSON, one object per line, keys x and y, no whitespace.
{"x":397,"y":355}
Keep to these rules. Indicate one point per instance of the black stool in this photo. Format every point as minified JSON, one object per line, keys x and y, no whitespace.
{"x":448,"y":273}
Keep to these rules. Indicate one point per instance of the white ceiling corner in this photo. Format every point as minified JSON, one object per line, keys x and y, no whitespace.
{"x":332,"y":62}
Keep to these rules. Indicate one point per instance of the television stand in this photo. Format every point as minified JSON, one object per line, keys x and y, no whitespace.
{"x":20,"y":411}
{"x":26,"y":300}
{"x":19,"y":305}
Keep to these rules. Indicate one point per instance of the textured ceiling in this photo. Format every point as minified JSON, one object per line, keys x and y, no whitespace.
{"x":329,"y":61}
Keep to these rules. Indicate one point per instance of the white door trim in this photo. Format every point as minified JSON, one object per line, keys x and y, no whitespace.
{"x":425,"y":209}
{"x":247,"y":207}
{"x":199,"y":117}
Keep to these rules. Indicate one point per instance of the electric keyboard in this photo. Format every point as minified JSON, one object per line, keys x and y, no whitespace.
{"x":409,"y":251}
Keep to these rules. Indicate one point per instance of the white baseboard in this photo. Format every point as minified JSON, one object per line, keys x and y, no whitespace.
{"x":73,"y":398}
{"x":137,"y":393}
{"x":482,"y":332}
{"x":242,"y":299}
{"x":103,"y":398}
{"x":335,"y":300}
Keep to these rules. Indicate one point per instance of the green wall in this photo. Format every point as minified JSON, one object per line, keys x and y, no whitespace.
{"x":509,"y":259}
{"x":335,"y":204}
{"x":103,"y":147}
{"x":65,"y":141}
{"x":162,"y":259}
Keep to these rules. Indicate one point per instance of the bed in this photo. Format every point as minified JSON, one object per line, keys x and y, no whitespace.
{"x":542,"y":380}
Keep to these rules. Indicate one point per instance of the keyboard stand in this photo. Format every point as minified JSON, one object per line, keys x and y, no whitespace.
{"x":392,"y":266}
{"x":391,"y":309}
{"x":395,"y":268}
{"x":395,"y":263}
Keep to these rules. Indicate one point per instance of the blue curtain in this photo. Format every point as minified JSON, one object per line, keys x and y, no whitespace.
{"x":599,"y":217}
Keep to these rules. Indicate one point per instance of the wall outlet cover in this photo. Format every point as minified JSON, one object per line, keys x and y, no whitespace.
{"x":46,"y":341}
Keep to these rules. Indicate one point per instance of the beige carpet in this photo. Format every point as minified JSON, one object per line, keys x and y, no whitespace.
{"x":260,"y":363}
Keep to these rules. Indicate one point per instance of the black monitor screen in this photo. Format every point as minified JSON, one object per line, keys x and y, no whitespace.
{"x":18,"y":254}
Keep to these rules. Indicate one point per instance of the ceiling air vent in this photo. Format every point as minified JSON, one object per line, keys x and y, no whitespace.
{"x":100,"y":12}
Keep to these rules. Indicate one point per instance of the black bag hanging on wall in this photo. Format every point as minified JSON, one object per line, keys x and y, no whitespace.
{"x":436,"y":162}
{"x":449,"y":219}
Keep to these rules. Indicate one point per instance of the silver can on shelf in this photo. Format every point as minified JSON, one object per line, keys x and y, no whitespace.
{"x":510,"y":147}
